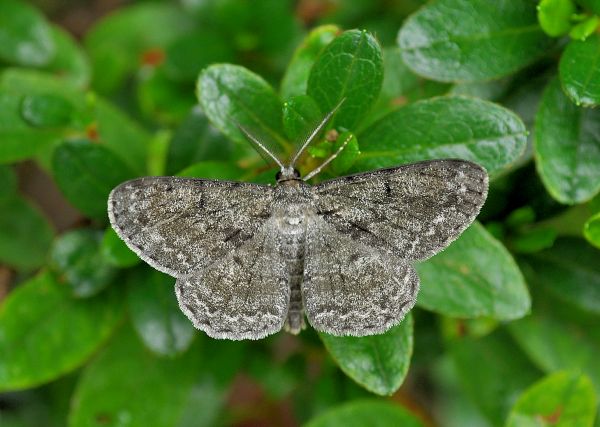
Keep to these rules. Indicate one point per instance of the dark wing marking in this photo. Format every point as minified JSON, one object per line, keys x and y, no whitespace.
{"x":350,"y":288}
{"x":412,"y":211}
{"x":179,"y":225}
{"x":243,"y":295}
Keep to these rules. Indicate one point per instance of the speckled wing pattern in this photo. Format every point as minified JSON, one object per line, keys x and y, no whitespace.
{"x":367,"y":231}
{"x":181,"y":225}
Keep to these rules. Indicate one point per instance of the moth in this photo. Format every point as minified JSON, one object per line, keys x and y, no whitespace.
{"x":252,"y":259}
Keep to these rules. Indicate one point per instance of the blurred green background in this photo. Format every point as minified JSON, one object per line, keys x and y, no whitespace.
{"x":92,"y":93}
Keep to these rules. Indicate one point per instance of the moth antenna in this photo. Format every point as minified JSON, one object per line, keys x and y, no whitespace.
{"x":329,"y":159}
{"x":256,"y":142}
{"x":315,"y":132}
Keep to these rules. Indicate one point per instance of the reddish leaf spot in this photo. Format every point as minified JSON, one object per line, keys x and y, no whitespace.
{"x":153,"y":57}
{"x":332,"y":135}
{"x":553,"y":417}
{"x":91,"y":131}
{"x":399,"y":101}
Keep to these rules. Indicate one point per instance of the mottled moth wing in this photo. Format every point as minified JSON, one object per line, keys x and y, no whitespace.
{"x":181,"y":225}
{"x":412,"y":211}
{"x":244,"y":295}
{"x":350,"y":288}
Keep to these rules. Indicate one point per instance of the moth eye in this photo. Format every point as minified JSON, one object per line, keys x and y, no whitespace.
{"x":296,"y":173}
{"x":278,"y":176}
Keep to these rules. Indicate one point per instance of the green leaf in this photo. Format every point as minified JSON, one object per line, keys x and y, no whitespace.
{"x":492,"y":372}
{"x":554,"y":16}
{"x":44,"y":333}
{"x":46,"y":111}
{"x":8,"y":182}
{"x":128,"y":384}
{"x":231,"y":95}
{"x":579,"y":75}
{"x":155,"y":313}
{"x":70,"y":61}
{"x":570,"y":271}
{"x":471,"y":40}
{"x":555,"y":341}
{"x":296,"y":75}
{"x":474,"y":277}
{"x":125,"y":137}
{"x":301,"y":115}
{"x":379,"y":363}
{"x":25,"y":234}
{"x":448,"y":127}
{"x":561,"y":399}
{"x":86,"y":173}
{"x":213,"y":170}
{"x":591,"y":230}
{"x":361,"y":413}
{"x":585,"y":29}
{"x":196,"y":140}
{"x":116,"y":43}
{"x":190,"y":53}
{"x":567,"y":147}
{"x":349,"y":68}
{"x":76,"y":256}
{"x":25,"y":36}
{"x":116,"y":252}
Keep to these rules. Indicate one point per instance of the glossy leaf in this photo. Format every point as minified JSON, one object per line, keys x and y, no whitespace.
{"x":213,"y":170}
{"x":553,"y":340}
{"x":46,"y":111}
{"x":116,"y":43}
{"x":86,"y":173}
{"x":128,"y":384}
{"x":567,"y":147}
{"x":555,"y":16}
{"x":360,"y":413}
{"x":70,"y":61}
{"x":591,"y":230}
{"x":196,"y":140}
{"x":561,"y":399}
{"x":301,"y":115}
{"x":570,"y":270}
{"x":585,"y":28}
{"x":296,"y":75}
{"x":471,"y":40}
{"x":76,"y":256}
{"x":349,"y":68}
{"x":449,"y":127}
{"x":155,"y":313}
{"x":492,"y":372}
{"x":379,"y":363}
{"x":474,"y":277}
{"x":25,"y":234}
{"x":25,"y":36}
{"x":579,"y":74}
{"x":231,"y":95}
{"x":346,"y":158}
{"x":116,"y":252}
{"x":41,"y":319}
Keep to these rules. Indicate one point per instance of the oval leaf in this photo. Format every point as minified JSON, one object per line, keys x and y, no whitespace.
{"x":571,"y":271}
{"x":591,"y":230}
{"x":349,"y":68}
{"x":567,"y":147}
{"x":474,"y":277}
{"x":25,"y":37}
{"x":296,"y":75}
{"x":46,"y":110}
{"x":86,"y":173}
{"x":76,"y":255}
{"x":562,"y":399}
{"x":41,"y":318}
{"x":155,"y":313}
{"x":471,"y":40}
{"x":448,"y":127}
{"x":25,"y":234}
{"x":366,"y":413}
{"x":378,"y":362}
{"x":128,"y":384}
{"x":579,"y":73}
{"x":301,"y":115}
{"x":231,"y":95}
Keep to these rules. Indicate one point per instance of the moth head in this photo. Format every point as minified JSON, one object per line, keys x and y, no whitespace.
{"x":287,"y":173}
